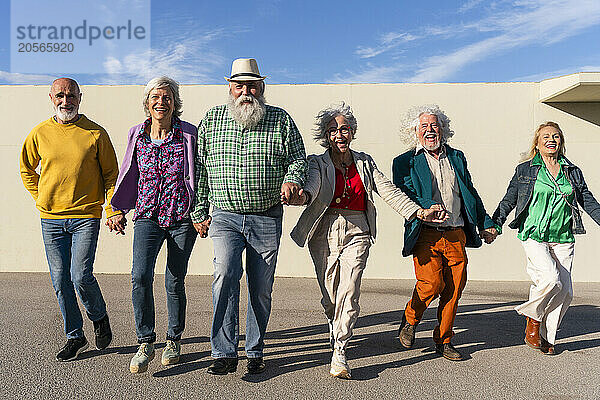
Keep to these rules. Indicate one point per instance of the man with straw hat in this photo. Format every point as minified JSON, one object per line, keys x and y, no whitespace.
{"x":250,"y":160}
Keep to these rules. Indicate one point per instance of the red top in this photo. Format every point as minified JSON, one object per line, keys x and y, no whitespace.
{"x":353,"y":198}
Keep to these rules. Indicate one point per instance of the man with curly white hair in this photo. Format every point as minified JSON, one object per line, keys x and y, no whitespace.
{"x":432,"y":172}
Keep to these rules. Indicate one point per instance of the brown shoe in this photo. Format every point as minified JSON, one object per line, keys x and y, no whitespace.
{"x":532,"y":333}
{"x":406,"y":333}
{"x":448,"y":351}
{"x":546,"y":347}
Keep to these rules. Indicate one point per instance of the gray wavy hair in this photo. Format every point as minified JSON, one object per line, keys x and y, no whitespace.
{"x":325,"y":116}
{"x":411,"y":121}
{"x":159,"y":83}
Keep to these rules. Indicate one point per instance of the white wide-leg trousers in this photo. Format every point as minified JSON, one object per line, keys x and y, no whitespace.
{"x":549,"y":266}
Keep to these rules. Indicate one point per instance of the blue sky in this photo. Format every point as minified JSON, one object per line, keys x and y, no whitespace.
{"x":354,"y":41}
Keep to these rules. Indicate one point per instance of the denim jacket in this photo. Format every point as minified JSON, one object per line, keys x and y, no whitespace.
{"x":520,"y":192}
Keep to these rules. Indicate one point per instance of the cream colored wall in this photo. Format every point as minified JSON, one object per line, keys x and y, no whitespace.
{"x":493,"y":124}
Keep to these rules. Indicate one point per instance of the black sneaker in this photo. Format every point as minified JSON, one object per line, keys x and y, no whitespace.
{"x":223,"y":366}
{"x":256,"y":365}
{"x":72,"y":349}
{"x":102,"y":332}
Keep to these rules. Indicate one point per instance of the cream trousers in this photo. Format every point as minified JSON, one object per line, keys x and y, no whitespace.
{"x":339,"y":249}
{"x":549,"y":266}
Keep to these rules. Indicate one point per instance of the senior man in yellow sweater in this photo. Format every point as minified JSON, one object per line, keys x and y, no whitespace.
{"x":78,"y":171}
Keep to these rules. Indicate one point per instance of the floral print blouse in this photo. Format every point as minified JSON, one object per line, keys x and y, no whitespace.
{"x":161,"y":190}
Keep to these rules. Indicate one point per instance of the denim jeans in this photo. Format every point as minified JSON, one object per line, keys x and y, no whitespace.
{"x":148,"y":238}
{"x":70,"y":249}
{"x":259,"y":235}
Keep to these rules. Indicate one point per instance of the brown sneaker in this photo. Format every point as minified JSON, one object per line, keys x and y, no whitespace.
{"x":532,"y":333}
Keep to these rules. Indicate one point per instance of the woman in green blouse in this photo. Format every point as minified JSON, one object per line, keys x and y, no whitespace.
{"x":546,"y":190}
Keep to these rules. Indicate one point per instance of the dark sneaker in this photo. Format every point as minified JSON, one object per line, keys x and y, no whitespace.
{"x":547,"y":347}
{"x":406,"y":333}
{"x":223,"y":366}
{"x":71,"y":350}
{"x":102,"y":332}
{"x":448,"y":351}
{"x":256,"y":365}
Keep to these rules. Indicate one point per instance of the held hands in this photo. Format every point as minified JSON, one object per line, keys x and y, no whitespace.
{"x":202,"y":227}
{"x":436,"y":213}
{"x":117,"y":223}
{"x":488,"y":235}
{"x":292,"y":194}
{"x":299,"y":200}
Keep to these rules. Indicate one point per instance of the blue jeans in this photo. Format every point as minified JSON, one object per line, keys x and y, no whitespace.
{"x":148,"y":238}
{"x":70,"y":249}
{"x":259,"y":235}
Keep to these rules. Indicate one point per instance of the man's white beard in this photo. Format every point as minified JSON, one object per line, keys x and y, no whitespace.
{"x":433,"y":147}
{"x":66,"y":115}
{"x":248,"y":115}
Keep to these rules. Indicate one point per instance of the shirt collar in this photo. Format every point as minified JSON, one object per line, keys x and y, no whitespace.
{"x":537,"y":160}
{"x":420,"y":148}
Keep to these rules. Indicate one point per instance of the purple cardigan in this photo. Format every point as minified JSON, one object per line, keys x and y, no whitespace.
{"x":126,"y":191}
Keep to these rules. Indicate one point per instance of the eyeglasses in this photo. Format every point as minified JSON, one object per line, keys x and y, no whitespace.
{"x":344,"y":130}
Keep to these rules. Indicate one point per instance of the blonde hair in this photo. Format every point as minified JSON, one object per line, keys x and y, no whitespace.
{"x":533,"y":150}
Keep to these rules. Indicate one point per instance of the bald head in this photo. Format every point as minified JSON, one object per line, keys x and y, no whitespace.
{"x":65,"y":96}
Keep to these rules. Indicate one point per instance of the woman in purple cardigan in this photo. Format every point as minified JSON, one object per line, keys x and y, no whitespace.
{"x":156,"y":180}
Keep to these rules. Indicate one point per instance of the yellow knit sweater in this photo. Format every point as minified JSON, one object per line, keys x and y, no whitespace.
{"x":78,"y":169}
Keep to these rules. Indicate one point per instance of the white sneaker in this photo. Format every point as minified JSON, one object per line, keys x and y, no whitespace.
{"x":139,"y":362}
{"x":339,"y":365}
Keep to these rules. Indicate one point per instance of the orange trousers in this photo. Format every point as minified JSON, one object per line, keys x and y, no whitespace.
{"x":441,"y":269}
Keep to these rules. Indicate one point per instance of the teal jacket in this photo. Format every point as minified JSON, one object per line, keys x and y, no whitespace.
{"x":411,"y":174}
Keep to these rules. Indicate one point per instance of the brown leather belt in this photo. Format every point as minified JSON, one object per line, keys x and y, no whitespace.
{"x":441,"y":228}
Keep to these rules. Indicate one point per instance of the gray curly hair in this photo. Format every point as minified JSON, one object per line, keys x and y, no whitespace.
{"x":325,"y":116}
{"x":159,"y":83}
{"x":411,"y":121}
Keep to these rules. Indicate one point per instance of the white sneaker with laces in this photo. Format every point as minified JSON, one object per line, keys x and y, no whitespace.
{"x":139,"y":362}
{"x":339,"y":365}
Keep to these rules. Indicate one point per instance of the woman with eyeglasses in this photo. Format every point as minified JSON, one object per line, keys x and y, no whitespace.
{"x":339,"y":222}
{"x":545,"y":190}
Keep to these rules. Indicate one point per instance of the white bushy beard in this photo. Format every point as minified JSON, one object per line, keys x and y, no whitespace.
{"x":65,"y":115}
{"x":248,"y":115}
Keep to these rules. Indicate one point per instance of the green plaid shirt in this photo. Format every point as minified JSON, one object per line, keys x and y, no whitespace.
{"x":240,"y":170}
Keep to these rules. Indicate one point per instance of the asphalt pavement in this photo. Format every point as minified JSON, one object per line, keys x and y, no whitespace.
{"x":497,"y":365}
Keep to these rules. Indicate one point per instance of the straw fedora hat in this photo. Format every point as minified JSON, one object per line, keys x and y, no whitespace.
{"x":244,"y":69}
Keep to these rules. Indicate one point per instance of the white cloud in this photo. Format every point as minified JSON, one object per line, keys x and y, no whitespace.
{"x":388,"y":41}
{"x":469,"y":5}
{"x":371,"y":74}
{"x":540,"y":22}
{"x":510,"y":25}
{"x":189,"y":60}
{"x":25,"y":79}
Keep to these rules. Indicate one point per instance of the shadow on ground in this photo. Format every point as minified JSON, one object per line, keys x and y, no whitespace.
{"x":479,"y":327}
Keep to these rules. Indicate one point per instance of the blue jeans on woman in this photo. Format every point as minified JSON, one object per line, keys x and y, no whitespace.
{"x":70,"y":249}
{"x":259,"y":234}
{"x":148,"y":238}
